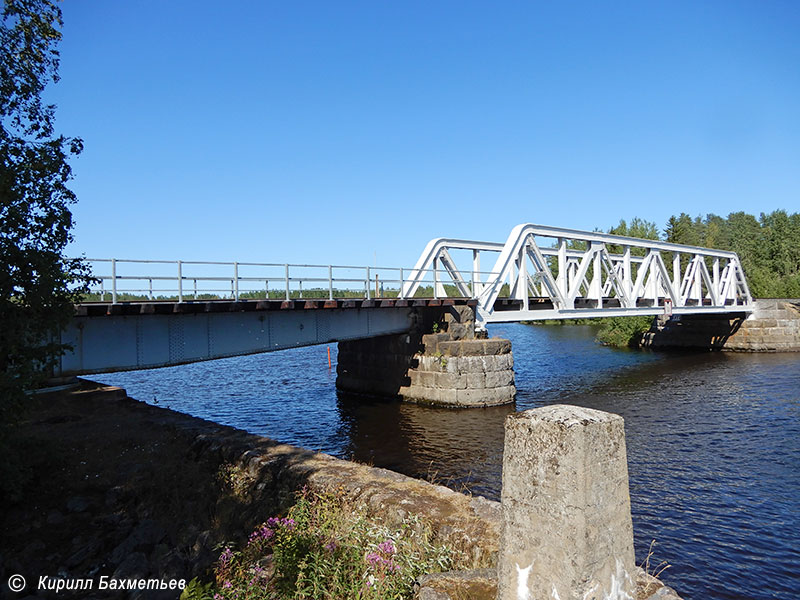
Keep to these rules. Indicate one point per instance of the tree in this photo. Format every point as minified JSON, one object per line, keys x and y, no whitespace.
{"x":38,"y":284}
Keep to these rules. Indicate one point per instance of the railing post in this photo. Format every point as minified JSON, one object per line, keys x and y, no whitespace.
{"x":330,"y":282}
{"x":113,"y":280}
{"x":195,"y":288}
{"x":150,"y":281}
{"x":366,"y":283}
{"x":400,"y":293}
{"x":236,"y":280}
{"x":287,"y":282}
{"x":180,"y":281}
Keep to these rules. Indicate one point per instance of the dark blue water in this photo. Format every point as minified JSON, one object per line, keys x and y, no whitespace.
{"x":713,"y":439}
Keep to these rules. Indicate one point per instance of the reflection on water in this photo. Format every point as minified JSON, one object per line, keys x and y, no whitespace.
{"x":713,"y":439}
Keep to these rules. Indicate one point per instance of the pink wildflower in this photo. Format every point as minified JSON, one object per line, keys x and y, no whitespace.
{"x":387,"y":547}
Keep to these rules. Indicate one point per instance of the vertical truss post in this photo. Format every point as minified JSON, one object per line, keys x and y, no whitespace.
{"x":627,"y":274}
{"x":438,"y":287}
{"x":653,"y":281}
{"x":697,"y":289}
{"x":716,"y":280}
{"x":236,"y":281}
{"x":562,"y":280}
{"x":676,"y":273}
{"x":522,"y":276}
{"x":476,"y":273}
{"x":596,"y":285}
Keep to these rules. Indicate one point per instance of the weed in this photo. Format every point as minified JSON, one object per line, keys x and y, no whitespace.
{"x":236,"y":479}
{"x":652,"y":571}
{"x":326,"y":547}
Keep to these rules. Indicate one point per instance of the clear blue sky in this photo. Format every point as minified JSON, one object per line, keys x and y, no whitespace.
{"x":350,"y":132}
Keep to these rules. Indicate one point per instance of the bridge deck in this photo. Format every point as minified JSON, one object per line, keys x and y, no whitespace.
{"x":169,"y":307}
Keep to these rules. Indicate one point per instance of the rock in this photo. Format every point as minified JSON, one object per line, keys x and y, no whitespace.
{"x":85,"y":551}
{"x":54,"y":517}
{"x":143,"y":537}
{"x":133,"y":567}
{"x":665,"y":593}
{"x":428,"y":593}
{"x":33,"y":549}
{"x":114,"y":496}
{"x":476,"y":584}
{"x":203,"y":549}
{"x":78,"y":504}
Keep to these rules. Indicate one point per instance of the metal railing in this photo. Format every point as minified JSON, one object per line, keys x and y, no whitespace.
{"x":132,"y":280}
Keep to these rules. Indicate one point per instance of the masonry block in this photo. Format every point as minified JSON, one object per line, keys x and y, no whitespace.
{"x":567,"y":530}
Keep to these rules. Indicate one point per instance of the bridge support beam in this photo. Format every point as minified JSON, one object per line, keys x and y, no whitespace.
{"x":448,"y":367}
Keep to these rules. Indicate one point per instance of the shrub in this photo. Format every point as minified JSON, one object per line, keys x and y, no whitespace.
{"x":623,"y":332}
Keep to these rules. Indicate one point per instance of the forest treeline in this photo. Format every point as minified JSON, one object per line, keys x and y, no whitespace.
{"x":768,"y":246}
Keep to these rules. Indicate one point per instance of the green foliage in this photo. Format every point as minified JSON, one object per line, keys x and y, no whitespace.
{"x":768,"y":247}
{"x":622,"y":332}
{"x":327,"y":548}
{"x":196,"y":590}
{"x":39,"y":285}
{"x":638,"y":228}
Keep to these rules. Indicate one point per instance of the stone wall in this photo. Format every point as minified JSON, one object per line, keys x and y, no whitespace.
{"x":773,"y":327}
{"x":449,"y":367}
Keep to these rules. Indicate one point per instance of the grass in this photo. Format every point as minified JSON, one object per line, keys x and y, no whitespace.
{"x":652,"y":571}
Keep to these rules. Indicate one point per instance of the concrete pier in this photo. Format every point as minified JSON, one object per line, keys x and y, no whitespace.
{"x":567,"y":530}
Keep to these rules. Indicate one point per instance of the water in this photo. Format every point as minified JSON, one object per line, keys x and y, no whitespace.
{"x":713,"y":439}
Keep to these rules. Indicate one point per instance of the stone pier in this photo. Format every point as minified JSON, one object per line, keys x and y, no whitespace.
{"x":449,"y":366}
{"x":567,"y":530}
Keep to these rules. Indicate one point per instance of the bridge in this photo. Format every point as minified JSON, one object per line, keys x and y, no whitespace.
{"x":144,"y":314}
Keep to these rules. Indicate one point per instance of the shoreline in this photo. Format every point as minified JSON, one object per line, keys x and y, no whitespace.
{"x":135,"y":491}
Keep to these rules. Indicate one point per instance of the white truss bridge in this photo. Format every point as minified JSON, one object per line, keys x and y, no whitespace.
{"x":154,"y":313}
{"x":540,"y":272}
{"x":543,"y":272}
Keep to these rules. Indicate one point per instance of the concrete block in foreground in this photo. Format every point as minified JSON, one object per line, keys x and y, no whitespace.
{"x":567,"y":530}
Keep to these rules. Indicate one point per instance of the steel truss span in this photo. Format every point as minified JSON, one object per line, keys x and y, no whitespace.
{"x":543,"y":272}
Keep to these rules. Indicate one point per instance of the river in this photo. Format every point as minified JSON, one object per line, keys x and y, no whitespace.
{"x":713,"y":439}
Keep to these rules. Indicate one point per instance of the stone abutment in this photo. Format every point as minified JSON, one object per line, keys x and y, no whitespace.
{"x":774,"y":326}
